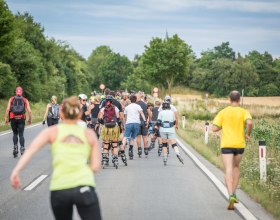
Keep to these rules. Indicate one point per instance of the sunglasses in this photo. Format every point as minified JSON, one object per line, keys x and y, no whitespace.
{"x":84,"y":100}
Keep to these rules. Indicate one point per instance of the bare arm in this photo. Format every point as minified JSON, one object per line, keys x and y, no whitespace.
{"x":89,"y":110}
{"x":150,"y":114}
{"x":122,"y":118}
{"x":46,"y":112}
{"x":118,"y":114}
{"x":215,"y":128}
{"x":42,"y":139}
{"x":142,"y":115}
{"x":29,"y":111}
{"x":95,"y":156}
{"x":7,"y":111}
{"x":249,"y":127}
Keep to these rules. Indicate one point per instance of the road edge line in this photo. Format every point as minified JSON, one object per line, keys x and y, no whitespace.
{"x":220,"y":186}
{"x":10,"y":131}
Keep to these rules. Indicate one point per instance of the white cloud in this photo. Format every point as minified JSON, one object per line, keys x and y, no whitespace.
{"x":241,"y":40}
{"x":236,"y":5}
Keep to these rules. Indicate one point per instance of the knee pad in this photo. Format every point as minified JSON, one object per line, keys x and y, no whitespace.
{"x":164,"y":144}
{"x":174,"y":145}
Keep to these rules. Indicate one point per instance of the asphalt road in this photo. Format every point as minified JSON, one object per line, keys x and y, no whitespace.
{"x":144,"y":190}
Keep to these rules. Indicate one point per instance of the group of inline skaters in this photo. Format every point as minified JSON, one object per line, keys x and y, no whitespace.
{"x":120,"y":119}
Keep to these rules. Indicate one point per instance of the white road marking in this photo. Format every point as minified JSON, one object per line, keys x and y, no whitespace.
{"x":35,"y":182}
{"x":239,"y":206}
{"x":30,"y":126}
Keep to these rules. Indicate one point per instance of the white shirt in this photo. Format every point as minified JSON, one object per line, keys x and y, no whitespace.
{"x":172,"y":108}
{"x":132,"y":112}
{"x":167,"y":115}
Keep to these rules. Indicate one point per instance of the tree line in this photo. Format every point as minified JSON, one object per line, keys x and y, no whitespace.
{"x":44,"y":66}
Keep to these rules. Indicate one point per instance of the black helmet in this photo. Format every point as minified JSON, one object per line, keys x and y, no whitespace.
{"x":166,"y":105}
{"x":109,"y":98}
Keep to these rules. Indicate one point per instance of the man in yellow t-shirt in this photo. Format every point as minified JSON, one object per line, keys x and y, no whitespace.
{"x":232,"y":120}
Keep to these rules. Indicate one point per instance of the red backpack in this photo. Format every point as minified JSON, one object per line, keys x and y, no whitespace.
{"x":110,"y":118}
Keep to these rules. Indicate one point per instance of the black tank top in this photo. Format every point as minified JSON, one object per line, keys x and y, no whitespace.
{"x":155,"y":113}
{"x":95,"y":111}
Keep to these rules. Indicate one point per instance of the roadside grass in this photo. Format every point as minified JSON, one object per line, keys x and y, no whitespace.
{"x":38,"y":110}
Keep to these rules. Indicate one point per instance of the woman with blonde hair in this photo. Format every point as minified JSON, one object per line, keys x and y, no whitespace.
{"x":76,"y":156}
{"x":52,"y":112}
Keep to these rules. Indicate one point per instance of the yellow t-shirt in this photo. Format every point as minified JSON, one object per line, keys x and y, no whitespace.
{"x":70,"y":160}
{"x":232,"y":120}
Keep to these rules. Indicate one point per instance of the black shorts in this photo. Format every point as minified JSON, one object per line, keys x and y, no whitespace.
{"x":233,"y":151}
{"x":143,"y":130}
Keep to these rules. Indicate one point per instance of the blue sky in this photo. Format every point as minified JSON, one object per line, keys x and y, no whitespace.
{"x":128,"y":25}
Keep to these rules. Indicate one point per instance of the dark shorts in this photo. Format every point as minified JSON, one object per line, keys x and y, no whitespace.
{"x":143,"y":130}
{"x":234,"y":151}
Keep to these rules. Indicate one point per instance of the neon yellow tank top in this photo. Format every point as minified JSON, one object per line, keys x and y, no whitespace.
{"x":70,"y":160}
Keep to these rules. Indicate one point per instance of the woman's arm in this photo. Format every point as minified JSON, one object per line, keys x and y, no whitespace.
{"x":46,"y":112}
{"x":42,"y":139}
{"x":95,"y":156}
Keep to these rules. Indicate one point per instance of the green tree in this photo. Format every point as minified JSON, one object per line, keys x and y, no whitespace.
{"x":26,"y":64}
{"x":222,"y":74}
{"x":31,"y":31}
{"x":165,"y":61}
{"x":97,"y":58}
{"x":114,"y":71}
{"x":210,"y":56}
{"x":245,"y":76}
{"x":7,"y":81}
{"x":263,"y":64}
{"x":7,"y":31}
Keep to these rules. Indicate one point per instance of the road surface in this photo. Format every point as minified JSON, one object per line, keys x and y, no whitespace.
{"x":144,"y":190}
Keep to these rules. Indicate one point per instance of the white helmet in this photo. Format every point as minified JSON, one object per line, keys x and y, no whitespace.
{"x":167,"y":99}
{"x":82,"y":97}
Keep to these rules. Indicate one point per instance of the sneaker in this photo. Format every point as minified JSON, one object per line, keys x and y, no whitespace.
{"x":236,"y":200}
{"x":232,"y":200}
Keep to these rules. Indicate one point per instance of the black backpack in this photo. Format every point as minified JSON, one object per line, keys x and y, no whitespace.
{"x":18,"y":107}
